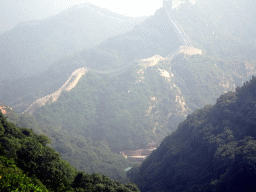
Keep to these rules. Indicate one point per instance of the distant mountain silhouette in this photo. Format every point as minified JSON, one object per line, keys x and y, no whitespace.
{"x":31,"y":47}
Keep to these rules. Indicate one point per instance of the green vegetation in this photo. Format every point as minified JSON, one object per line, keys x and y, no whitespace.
{"x":123,"y":104}
{"x":127,"y":110}
{"x":77,"y":149}
{"x":27,"y":163}
{"x":13,"y":179}
{"x":214,"y":149}
{"x":153,"y":36}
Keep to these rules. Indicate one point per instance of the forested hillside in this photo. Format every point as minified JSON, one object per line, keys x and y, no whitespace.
{"x":130,"y":109}
{"x":27,"y":163}
{"x":214,"y":149}
{"x":139,"y":86}
{"x":76,"y":149}
{"x":153,"y":36}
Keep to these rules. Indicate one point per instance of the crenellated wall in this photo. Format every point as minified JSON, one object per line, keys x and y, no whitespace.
{"x":70,"y":83}
{"x":168,"y":6}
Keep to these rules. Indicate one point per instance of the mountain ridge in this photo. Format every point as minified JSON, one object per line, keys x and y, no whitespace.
{"x":155,"y":86}
{"x":33,"y":46}
{"x":77,"y":74}
{"x":177,"y":82}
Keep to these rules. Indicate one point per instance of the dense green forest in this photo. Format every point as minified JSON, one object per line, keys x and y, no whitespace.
{"x":28,"y":163}
{"x":214,"y":149}
{"x":77,"y":149}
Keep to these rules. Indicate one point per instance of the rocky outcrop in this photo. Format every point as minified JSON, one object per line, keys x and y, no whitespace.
{"x":3,"y":109}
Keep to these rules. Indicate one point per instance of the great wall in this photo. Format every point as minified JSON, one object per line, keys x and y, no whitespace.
{"x":70,"y":83}
{"x":140,"y":154}
{"x":74,"y":78}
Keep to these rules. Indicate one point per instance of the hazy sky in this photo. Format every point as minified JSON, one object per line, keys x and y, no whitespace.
{"x":127,"y":7}
{"x":15,"y":11}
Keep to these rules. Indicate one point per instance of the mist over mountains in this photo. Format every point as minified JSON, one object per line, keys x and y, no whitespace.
{"x":14,"y":12}
{"x":31,"y":47}
{"x":127,"y":82}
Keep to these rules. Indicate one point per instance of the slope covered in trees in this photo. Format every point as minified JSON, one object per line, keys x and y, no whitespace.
{"x":127,"y":99}
{"x":153,"y":36}
{"x":123,"y":102}
{"x":214,"y":149}
{"x":124,"y":109}
{"x":76,"y":149}
{"x":27,"y":163}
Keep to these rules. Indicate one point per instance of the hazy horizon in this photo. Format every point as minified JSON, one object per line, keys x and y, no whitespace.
{"x":13,"y":12}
